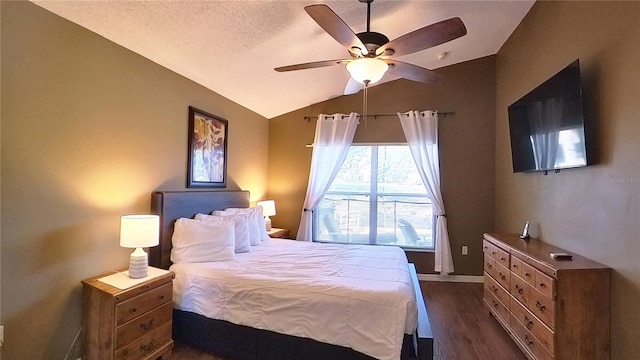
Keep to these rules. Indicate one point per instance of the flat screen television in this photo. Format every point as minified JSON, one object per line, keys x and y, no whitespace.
{"x":547,"y":125}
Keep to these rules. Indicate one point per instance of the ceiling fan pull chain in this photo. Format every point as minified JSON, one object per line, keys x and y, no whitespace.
{"x":365,"y":103}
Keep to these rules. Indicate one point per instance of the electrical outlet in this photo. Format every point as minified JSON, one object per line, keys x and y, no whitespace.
{"x":465,"y":249}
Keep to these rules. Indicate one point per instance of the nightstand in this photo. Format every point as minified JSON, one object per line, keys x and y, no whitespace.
{"x":131,"y":323}
{"x":278,"y":233}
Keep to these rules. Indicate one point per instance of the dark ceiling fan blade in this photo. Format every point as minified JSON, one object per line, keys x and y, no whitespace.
{"x":311,"y":65}
{"x":426,"y":37}
{"x":412,"y":72}
{"x":335,"y":26}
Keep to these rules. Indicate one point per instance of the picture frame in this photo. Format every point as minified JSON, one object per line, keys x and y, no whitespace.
{"x":207,"y":155}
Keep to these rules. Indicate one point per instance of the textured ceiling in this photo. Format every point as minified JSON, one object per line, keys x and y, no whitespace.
{"x":232,"y":47}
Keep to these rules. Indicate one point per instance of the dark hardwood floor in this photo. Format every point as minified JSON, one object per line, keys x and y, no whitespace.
{"x":462,"y":327}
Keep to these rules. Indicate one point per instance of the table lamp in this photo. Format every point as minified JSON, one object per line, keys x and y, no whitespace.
{"x":268,"y":209}
{"x":139,"y":231}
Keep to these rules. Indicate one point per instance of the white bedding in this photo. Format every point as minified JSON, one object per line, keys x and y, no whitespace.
{"x":356,"y":296}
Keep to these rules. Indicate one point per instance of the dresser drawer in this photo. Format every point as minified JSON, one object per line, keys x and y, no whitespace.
{"x":487,"y":247}
{"x":140,"y":304}
{"x":497,"y":290}
{"x":541,"y":332}
{"x":545,"y":284}
{"x":502,"y":257}
{"x":143,"y":324}
{"x":503,"y":275}
{"x":543,"y":308}
{"x":528,"y":273}
{"x":497,"y":308}
{"x":521,"y":290}
{"x":147,"y":346}
{"x":530,"y":342}
{"x":490,"y":266}
{"x":516,"y":266}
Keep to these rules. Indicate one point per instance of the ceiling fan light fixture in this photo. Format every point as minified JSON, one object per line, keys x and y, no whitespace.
{"x":367,"y":70}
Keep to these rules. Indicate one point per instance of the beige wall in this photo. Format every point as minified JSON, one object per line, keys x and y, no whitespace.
{"x":594,"y":211}
{"x":89,"y":130}
{"x":466,"y":147}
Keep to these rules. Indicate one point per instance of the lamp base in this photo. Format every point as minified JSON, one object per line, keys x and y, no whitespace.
{"x":267,"y":223}
{"x":138,"y":264}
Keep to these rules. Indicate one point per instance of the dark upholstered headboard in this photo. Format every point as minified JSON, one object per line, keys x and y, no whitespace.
{"x":172,"y":205}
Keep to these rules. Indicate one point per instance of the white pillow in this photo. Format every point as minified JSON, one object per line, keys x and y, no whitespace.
{"x":196,"y":241}
{"x":255,"y":214}
{"x":240,"y":227}
{"x":254,"y":230}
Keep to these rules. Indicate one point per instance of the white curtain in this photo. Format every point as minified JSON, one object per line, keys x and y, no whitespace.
{"x":545,"y":119}
{"x":421,"y":131}
{"x":334,"y":135}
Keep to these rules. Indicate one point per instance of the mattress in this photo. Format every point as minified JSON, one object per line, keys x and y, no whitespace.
{"x":356,"y":296}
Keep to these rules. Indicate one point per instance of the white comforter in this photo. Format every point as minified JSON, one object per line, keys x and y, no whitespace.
{"x":356,"y":296}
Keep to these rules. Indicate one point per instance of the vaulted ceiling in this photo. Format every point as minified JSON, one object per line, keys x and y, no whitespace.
{"x":232,"y":47}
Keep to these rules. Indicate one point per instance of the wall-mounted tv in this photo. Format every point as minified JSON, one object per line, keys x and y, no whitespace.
{"x":547,"y":125}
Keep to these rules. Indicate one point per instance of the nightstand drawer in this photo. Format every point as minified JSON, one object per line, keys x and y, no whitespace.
{"x":147,"y":346}
{"x":143,"y":324}
{"x":140,"y":304}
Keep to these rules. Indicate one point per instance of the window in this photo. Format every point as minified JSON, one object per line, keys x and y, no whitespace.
{"x":376,"y":198}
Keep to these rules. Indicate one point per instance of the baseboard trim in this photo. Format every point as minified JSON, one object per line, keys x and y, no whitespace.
{"x":451,"y":278}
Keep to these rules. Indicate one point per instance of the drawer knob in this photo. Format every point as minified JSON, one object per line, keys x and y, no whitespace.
{"x":540,"y":306}
{"x":148,"y":346}
{"x":528,"y":323}
{"x":134,"y":309}
{"x":527,"y":274}
{"x":161,"y":297}
{"x":527,"y":340}
{"x":148,"y":325}
{"x":494,"y":289}
{"x":543,"y":285}
{"x":502,"y":276}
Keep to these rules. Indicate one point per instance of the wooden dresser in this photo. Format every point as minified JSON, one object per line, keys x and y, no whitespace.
{"x":128,"y":324}
{"x":553,"y":309}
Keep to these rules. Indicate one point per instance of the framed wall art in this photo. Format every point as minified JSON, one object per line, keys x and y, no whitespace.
{"x":207,"y":163}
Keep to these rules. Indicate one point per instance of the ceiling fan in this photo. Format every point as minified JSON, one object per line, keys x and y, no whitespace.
{"x":371,"y":53}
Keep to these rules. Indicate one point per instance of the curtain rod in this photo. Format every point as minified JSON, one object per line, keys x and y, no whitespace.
{"x":375,"y":116}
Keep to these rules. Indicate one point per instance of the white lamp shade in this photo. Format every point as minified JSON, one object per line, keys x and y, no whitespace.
{"x":367,"y":70}
{"x":268,"y":207}
{"x":138,"y":231}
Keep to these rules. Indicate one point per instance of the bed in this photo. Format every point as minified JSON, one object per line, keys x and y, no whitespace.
{"x":246,"y":342}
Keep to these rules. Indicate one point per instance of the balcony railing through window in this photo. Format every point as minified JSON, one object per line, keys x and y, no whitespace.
{"x":386,"y":219}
